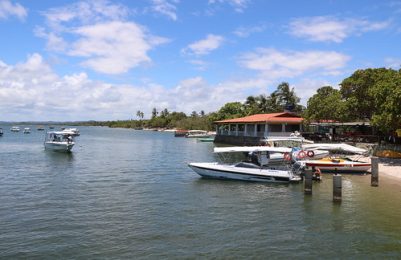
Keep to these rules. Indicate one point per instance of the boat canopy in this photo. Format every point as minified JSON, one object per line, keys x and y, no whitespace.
{"x":335,"y":147}
{"x":236,"y":149}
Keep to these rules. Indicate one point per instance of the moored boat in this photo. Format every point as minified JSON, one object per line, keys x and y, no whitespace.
{"x":256,"y":169}
{"x":72,"y":131}
{"x":340,"y":165}
{"x":197,"y":134}
{"x":1,"y":131}
{"x":15,"y":129}
{"x":27,"y":130}
{"x":337,"y":163}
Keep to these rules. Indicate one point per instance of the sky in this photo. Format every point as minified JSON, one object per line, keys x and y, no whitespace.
{"x":105,"y":60}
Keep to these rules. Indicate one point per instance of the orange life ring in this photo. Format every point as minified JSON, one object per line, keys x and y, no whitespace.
{"x":310,"y":153}
{"x":287,"y":156}
{"x":301,"y":154}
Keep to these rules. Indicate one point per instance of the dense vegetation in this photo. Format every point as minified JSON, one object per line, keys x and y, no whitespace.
{"x":370,"y":94}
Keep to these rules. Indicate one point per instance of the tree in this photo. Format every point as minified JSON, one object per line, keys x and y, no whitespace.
{"x":374,"y":94}
{"x":326,"y":104}
{"x":194,"y":114}
{"x":154,"y":112}
{"x":139,"y":114}
{"x":286,"y":97}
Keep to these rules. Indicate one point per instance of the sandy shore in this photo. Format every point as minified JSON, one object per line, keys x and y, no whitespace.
{"x":390,"y":168}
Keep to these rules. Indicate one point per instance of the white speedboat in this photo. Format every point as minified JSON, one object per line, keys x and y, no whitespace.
{"x":27,"y":130}
{"x":73,"y":131}
{"x":15,"y":129}
{"x":59,"y":141}
{"x":258,"y":170}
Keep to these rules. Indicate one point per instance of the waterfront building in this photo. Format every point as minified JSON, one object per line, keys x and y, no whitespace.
{"x":251,"y":129}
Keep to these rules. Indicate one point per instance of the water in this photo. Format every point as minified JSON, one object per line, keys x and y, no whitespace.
{"x":130,"y":194}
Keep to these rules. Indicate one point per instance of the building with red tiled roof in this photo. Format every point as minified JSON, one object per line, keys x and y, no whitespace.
{"x":250,"y":129}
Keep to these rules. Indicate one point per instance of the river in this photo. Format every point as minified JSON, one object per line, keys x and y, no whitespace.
{"x":123,"y":193}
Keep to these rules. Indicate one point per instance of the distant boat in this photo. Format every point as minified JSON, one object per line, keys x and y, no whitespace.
{"x":1,"y":131}
{"x":72,"y":131}
{"x":59,"y":141}
{"x":180,"y":133}
{"x":15,"y":129}
{"x":40,"y":128}
{"x":27,"y":130}
{"x":197,"y":134}
{"x":51,"y":127}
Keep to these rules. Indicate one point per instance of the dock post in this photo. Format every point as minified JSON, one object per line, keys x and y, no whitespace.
{"x":337,"y":186}
{"x":308,"y":183}
{"x":374,"y":181}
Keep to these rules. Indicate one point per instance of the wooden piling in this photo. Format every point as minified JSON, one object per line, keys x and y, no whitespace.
{"x":337,"y":186}
{"x":374,"y":181}
{"x":308,"y":183}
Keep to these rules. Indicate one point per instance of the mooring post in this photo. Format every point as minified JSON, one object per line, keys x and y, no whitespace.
{"x":337,"y":186}
{"x":374,"y":181}
{"x":308,"y":183}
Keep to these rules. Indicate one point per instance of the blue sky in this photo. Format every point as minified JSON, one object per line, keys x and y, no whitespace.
{"x":104,"y":60}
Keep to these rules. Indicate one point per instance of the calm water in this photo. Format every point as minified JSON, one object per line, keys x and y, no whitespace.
{"x":129,"y":194}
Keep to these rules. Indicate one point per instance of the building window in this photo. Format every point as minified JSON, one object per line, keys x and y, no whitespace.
{"x":275,"y":128}
{"x":291,"y":128}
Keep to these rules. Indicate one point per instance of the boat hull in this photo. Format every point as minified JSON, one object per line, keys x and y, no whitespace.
{"x":59,"y":146}
{"x":342,"y":167}
{"x":230,"y":172}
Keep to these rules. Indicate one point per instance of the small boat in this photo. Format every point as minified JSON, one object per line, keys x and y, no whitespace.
{"x":40,"y":128}
{"x":197,"y":134}
{"x":1,"y":131}
{"x":15,"y":129}
{"x":180,"y":133}
{"x":205,"y":139}
{"x":27,"y":130}
{"x":254,"y":170}
{"x":341,"y":164}
{"x":59,"y":141}
{"x":72,"y":131}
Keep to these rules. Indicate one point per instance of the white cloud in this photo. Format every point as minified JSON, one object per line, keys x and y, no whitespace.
{"x":245,"y":32}
{"x":276,"y":64}
{"x":238,"y":5}
{"x":331,"y":29}
{"x":85,"y":12}
{"x":165,"y":7}
{"x":394,"y":63}
{"x":307,"y":87}
{"x":32,"y":91}
{"x":97,"y":32}
{"x":205,"y":46}
{"x":113,"y":47}
{"x":8,"y":9}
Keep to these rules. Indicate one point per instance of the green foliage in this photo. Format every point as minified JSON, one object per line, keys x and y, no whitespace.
{"x":284,"y":98}
{"x":374,"y":94}
{"x":326,"y":104}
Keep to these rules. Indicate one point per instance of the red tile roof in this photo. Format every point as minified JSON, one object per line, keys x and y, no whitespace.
{"x":283,"y":117}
